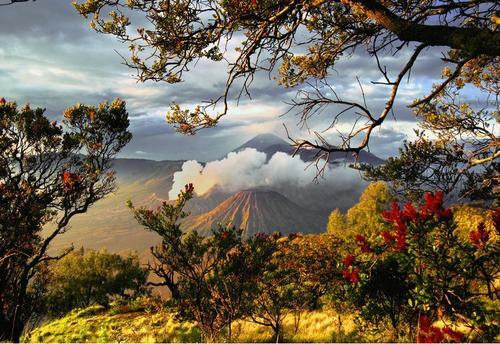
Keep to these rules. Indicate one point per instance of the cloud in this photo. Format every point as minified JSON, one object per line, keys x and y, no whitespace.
{"x":52,"y":59}
{"x":250,"y":169}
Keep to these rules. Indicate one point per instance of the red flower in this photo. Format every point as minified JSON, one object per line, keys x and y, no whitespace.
{"x":424,"y":323}
{"x":428,"y":333}
{"x":409,"y":212}
{"x":3,"y":101}
{"x":348,"y":260}
{"x":433,"y":206}
{"x":388,"y":237}
{"x":479,"y":237}
{"x":362,"y":243}
{"x":435,"y":335}
{"x":346,"y":274}
{"x":355,"y":276}
{"x":392,"y":215}
{"x":352,"y":276}
{"x":432,"y":334}
{"x":453,"y":335}
{"x":401,"y":243}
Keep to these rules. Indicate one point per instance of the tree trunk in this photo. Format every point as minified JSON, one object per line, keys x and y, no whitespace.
{"x":474,"y":41}
{"x":277,"y":332}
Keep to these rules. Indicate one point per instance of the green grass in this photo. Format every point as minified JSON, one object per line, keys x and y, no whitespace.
{"x":136,"y":324}
{"x":95,"y":324}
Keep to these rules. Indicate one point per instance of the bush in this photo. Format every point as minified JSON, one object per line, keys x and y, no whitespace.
{"x":436,"y":275}
{"x":88,"y":277}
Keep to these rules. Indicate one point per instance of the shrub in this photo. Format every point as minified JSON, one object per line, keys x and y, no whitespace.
{"x":440,"y":276}
{"x":88,"y":277}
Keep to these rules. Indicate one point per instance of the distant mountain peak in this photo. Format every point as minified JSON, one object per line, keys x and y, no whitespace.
{"x":271,"y":144}
{"x":262,"y":142}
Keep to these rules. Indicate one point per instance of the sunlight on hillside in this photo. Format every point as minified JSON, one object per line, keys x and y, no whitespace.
{"x":95,"y":324}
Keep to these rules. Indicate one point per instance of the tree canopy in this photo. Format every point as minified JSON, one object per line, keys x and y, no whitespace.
{"x":304,"y":40}
{"x":49,"y":173}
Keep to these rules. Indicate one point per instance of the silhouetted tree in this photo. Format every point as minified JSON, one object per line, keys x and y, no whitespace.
{"x":48,"y":174}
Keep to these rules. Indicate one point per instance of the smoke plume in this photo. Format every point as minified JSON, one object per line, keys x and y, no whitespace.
{"x":250,"y":169}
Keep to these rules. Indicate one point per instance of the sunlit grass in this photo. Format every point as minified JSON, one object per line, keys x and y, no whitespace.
{"x":316,"y":326}
{"x":95,"y":324}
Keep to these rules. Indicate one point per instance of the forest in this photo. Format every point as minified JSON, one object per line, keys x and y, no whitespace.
{"x":414,"y":258}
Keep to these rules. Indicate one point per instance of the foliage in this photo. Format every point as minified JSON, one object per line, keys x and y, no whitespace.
{"x":301,"y":271}
{"x":365,"y":216}
{"x":85,"y":278}
{"x":211,"y":279}
{"x":143,"y":323}
{"x":442,"y":276}
{"x":336,"y":222}
{"x":461,"y":149}
{"x":48,"y":174}
{"x":468,"y":217}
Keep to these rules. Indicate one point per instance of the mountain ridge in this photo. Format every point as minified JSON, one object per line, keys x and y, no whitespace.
{"x":272,"y":144}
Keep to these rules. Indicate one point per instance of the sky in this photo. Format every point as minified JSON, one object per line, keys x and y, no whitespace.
{"x":50,"y":58}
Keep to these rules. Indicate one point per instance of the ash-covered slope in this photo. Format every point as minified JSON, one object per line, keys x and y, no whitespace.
{"x":259,"y":211}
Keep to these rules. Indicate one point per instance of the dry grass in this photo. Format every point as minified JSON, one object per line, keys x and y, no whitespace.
{"x":95,"y":324}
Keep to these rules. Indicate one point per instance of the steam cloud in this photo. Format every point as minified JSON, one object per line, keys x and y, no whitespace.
{"x":249,"y":169}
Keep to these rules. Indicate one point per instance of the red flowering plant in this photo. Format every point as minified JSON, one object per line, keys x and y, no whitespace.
{"x":436,"y":275}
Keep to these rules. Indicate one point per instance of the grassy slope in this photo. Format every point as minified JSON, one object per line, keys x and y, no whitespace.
{"x":97,"y":325}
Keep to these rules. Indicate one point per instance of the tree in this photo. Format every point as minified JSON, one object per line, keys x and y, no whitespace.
{"x":84,"y":278}
{"x":280,"y":294}
{"x":336,"y":222}
{"x":211,"y":279}
{"x":365,"y":216}
{"x":306,"y":39}
{"x":48,"y":175}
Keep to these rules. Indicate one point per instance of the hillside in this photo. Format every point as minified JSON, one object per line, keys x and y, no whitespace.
{"x":136,"y":325}
{"x":109,"y":223}
{"x":260,"y":211}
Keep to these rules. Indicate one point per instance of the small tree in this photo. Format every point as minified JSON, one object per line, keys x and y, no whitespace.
{"x":48,"y":174}
{"x":365,"y":216}
{"x":336,"y":222}
{"x":211,"y":279}
{"x":280,"y":292}
{"x":84,"y":278}
{"x":300,"y":272}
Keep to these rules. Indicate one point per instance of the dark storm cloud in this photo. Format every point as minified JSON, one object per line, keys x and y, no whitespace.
{"x":52,"y":59}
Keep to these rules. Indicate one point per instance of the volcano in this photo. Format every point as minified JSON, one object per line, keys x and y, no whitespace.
{"x":257,"y":211}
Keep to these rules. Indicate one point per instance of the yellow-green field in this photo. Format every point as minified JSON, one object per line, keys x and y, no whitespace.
{"x":95,"y":324}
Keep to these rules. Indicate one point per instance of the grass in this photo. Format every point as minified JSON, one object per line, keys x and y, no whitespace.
{"x":95,"y":324}
{"x":133,"y":324}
